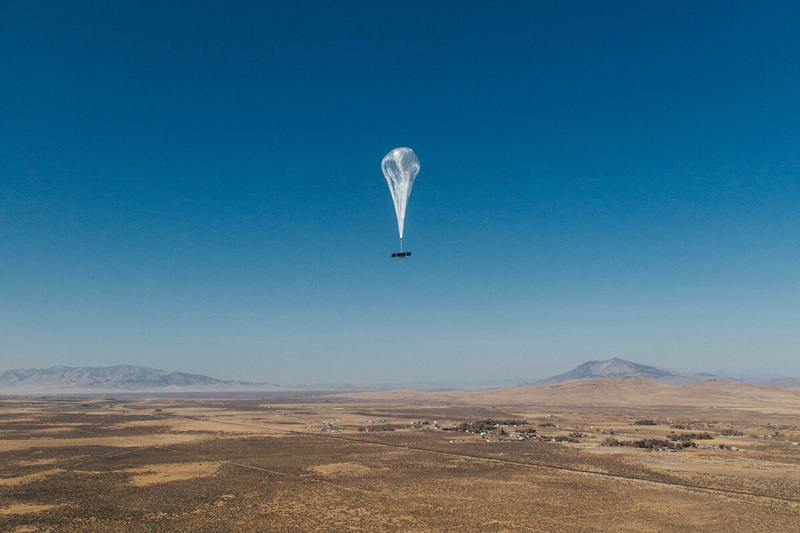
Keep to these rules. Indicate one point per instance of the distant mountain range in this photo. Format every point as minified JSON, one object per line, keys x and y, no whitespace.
{"x":127,"y":378}
{"x":117,"y":378}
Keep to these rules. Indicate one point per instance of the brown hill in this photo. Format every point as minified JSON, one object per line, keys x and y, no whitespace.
{"x":620,"y":368}
{"x":623,"y":392}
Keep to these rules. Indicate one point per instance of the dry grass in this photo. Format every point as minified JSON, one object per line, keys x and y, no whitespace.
{"x":165,"y":473}
{"x":25,"y":509}
{"x":29,"y":478}
{"x":347,"y":469}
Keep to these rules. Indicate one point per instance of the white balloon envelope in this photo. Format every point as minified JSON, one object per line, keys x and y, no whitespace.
{"x":400,"y":167}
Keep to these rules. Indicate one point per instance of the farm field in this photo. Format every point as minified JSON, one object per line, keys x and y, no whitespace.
{"x":290,"y":462}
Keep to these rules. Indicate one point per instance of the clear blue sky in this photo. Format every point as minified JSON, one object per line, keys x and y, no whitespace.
{"x":196,"y":186}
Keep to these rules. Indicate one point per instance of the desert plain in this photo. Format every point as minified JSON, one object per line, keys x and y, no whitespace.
{"x":627,"y":454}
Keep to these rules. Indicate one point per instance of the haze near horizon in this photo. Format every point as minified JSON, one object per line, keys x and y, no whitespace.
{"x":198,"y":188}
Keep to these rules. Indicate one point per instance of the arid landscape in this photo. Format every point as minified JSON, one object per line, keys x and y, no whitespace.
{"x":296,"y":267}
{"x":617,"y":454}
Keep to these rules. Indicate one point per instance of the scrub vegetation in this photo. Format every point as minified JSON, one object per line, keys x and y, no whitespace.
{"x":293,"y":463}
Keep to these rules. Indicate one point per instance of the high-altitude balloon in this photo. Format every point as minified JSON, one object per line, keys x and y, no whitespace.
{"x":400,"y":167}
